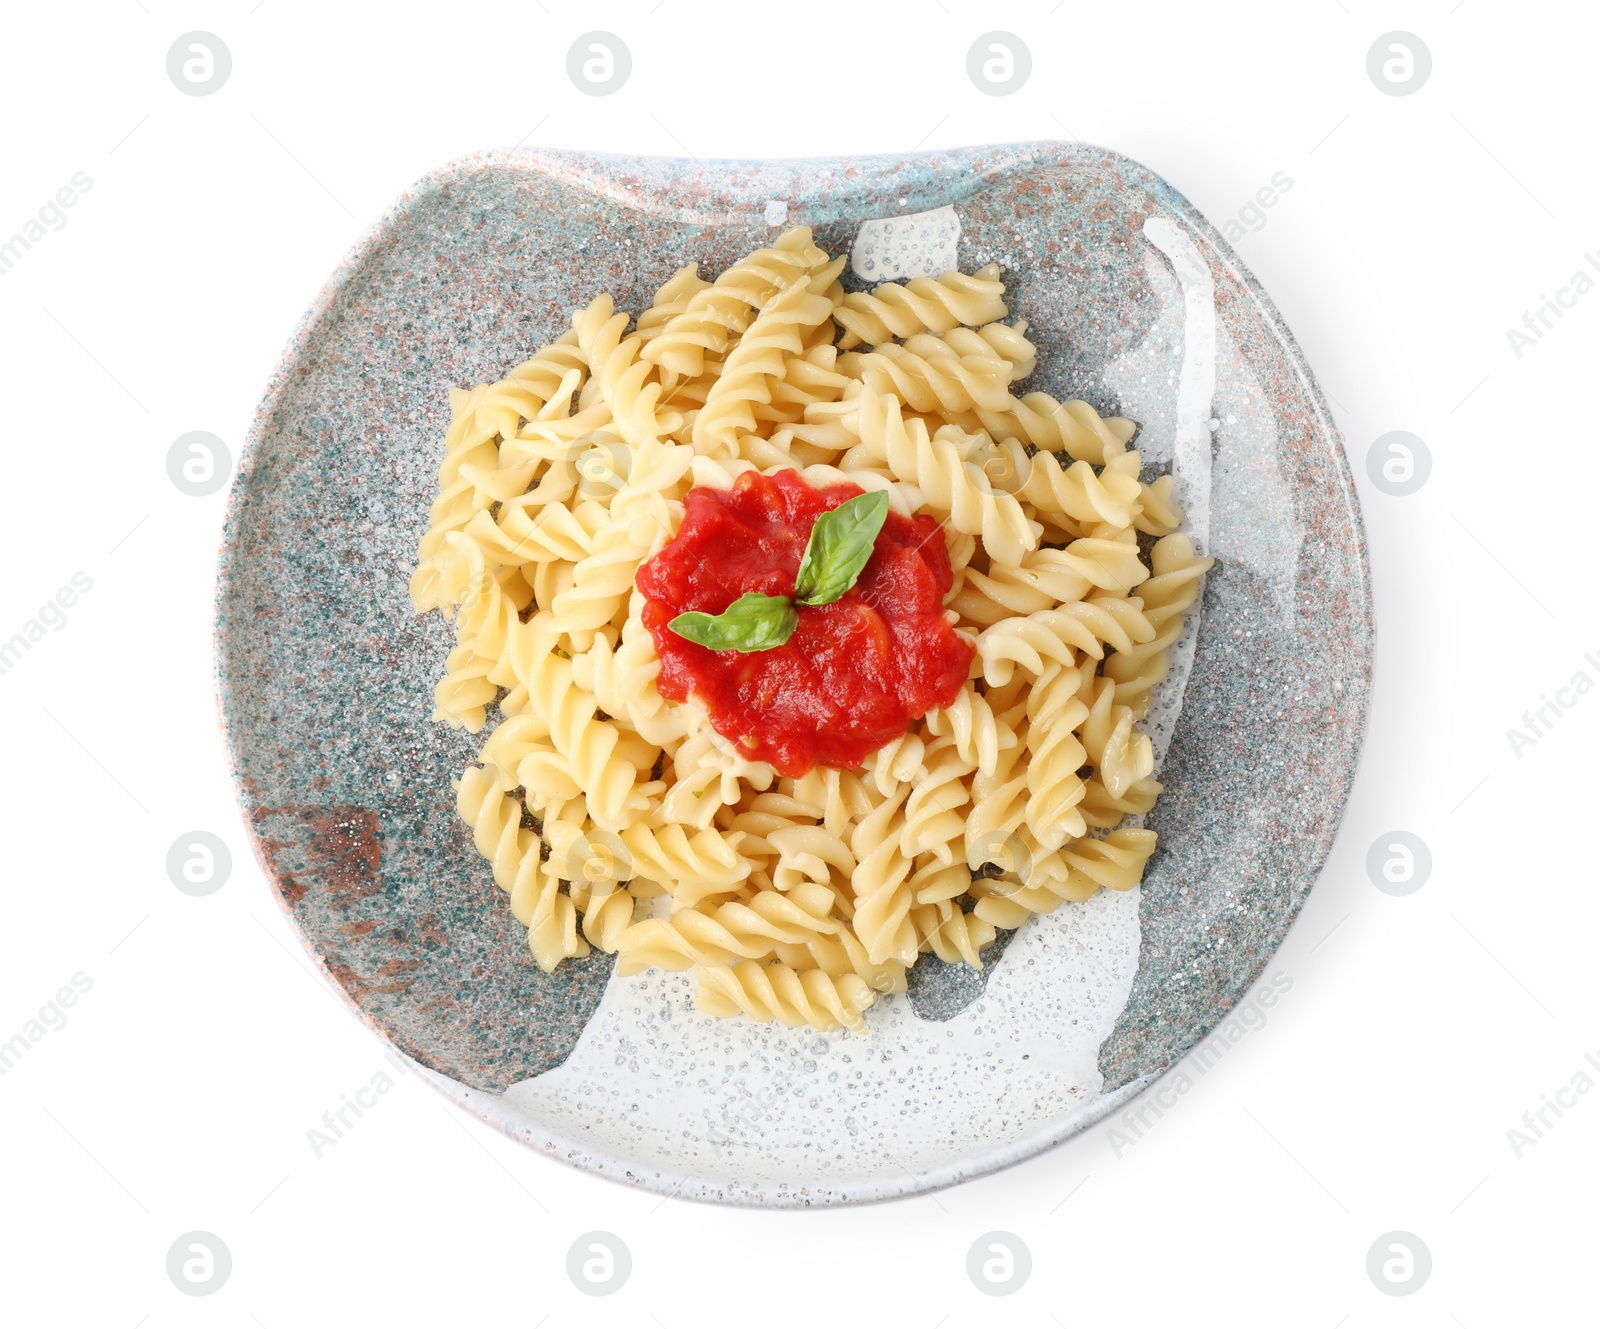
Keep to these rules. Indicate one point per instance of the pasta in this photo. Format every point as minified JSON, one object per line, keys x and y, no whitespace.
{"x":620,"y":821}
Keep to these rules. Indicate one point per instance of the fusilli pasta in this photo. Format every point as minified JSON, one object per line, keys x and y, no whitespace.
{"x":621,"y":822}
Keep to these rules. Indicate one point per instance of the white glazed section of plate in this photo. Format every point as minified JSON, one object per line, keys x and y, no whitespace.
{"x":713,"y":1108}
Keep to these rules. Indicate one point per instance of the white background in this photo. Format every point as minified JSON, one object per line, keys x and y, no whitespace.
{"x":1417,"y":1031}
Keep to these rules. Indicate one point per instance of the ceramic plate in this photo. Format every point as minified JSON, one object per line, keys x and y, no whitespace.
{"x":325,"y":674}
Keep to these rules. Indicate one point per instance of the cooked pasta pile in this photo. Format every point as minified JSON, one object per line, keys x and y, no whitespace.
{"x":620,"y":821}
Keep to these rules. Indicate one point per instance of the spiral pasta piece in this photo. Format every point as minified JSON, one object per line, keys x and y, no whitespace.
{"x":603,"y":578}
{"x":923,"y":304}
{"x":1115,"y":863}
{"x":759,"y":358}
{"x":1072,"y":428}
{"x":778,"y":992}
{"x":1045,"y":578}
{"x":716,"y":315}
{"x":897,"y":762}
{"x":1086,"y":626}
{"x":687,"y":939}
{"x":552,"y":533}
{"x":933,"y":811}
{"x":1109,"y":497}
{"x":623,"y":681}
{"x":955,"y":937}
{"x":546,"y":376}
{"x":553,"y":934}
{"x":879,"y":883}
{"x":1167,"y":597}
{"x":936,"y":382}
{"x":1007,"y":341}
{"x":624,"y":379}
{"x":946,"y":479}
{"x":794,"y":923}
{"x":607,"y":915}
{"x":1121,"y":756}
{"x":1105,"y":812}
{"x":809,"y":855}
{"x":692,"y":867}
{"x":589,"y":744}
{"x":462,"y":697}
{"x":1158,"y":513}
{"x":671,"y":300}
{"x":496,"y":821}
{"x":840,"y":797}
{"x":469,"y":446}
{"x":999,"y":806}
{"x":978,"y":734}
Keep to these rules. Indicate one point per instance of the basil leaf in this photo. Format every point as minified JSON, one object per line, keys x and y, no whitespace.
{"x":753,"y":622}
{"x":839,"y":547}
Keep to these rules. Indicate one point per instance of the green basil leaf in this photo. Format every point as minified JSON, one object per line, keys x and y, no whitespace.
{"x":753,"y":622}
{"x":839,"y":547}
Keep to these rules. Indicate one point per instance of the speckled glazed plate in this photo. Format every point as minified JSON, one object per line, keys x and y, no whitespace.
{"x":325,"y":674}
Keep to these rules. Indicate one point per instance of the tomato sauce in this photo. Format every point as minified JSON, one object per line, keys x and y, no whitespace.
{"x":854,"y":674}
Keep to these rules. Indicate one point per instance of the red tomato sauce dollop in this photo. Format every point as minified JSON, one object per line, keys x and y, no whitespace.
{"x":854,"y":674}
